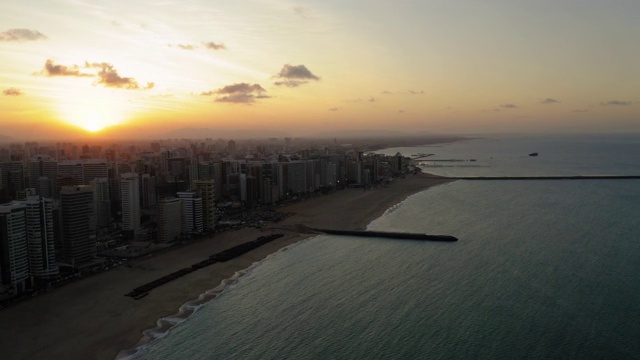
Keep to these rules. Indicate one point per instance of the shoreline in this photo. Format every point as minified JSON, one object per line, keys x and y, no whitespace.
{"x":92,"y":319}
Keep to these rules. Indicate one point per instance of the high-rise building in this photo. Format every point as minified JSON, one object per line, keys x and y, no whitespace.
{"x":297,"y":177}
{"x":102,"y":202}
{"x":231,"y":146}
{"x":191,"y":212}
{"x":78,"y":224}
{"x":40,"y":235}
{"x":11,"y":179}
{"x":149,"y":198}
{"x":43,"y":166}
{"x":206,"y":190}
{"x":169,"y":219}
{"x":130,"y":203}
{"x":83,"y":172}
{"x":14,"y":254}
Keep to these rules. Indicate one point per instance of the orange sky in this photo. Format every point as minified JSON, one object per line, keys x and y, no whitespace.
{"x":142,"y":69}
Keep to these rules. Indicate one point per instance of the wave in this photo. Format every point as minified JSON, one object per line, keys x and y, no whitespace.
{"x":166,"y":324}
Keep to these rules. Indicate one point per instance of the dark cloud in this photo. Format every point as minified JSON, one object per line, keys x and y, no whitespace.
{"x":295,"y":75}
{"x":298,"y":72}
{"x":241,"y":88}
{"x":239,"y":93}
{"x":240,"y":98}
{"x":109,"y":77}
{"x":616,"y":103}
{"x":52,"y":69}
{"x":414,"y":92}
{"x":372,"y":99}
{"x":508,"y":106}
{"x":214,"y":46}
{"x":401,"y":111}
{"x":21,"y":35}
{"x":12,"y":92}
{"x":550,"y":101}
{"x":334,"y":109}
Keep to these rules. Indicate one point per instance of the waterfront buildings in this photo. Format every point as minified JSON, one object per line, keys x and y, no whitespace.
{"x":14,"y":248}
{"x":130,"y":200}
{"x":206,"y":190}
{"x":78,"y":225}
{"x":191,"y":212}
{"x":40,"y":235}
{"x":169,"y":219}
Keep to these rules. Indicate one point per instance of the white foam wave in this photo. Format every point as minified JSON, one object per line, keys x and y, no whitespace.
{"x":165,"y":324}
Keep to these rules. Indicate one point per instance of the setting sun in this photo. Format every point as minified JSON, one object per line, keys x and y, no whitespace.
{"x":92,"y":110}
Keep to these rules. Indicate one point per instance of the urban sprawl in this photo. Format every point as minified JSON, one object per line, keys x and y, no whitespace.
{"x":69,"y":210}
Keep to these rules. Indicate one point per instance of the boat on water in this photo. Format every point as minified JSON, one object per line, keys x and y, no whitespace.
{"x":533,"y":154}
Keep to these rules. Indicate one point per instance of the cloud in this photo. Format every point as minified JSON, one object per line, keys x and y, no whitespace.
{"x":51,"y":69}
{"x":580,"y":111}
{"x":616,"y":103}
{"x":550,"y":101}
{"x":295,"y":75}
{"x":21,"y":35}
{"x":302,"y":12}
{"x":372,"y":99}
{"x":239,"y":93}
{"x":12,"y":92}
{"x":106,"y":75}
{"x":408,"y":92}
{"x":334,"y":109}
{"x":241,"y":88}
{"x":186,"y":46}
{"x":214,"y":46}
{"x":401,"y":111}
{"x":508,"y":106}
{"x":109,"y":77}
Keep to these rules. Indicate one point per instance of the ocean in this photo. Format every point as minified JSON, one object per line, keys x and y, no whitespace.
{"x":542,"y":269}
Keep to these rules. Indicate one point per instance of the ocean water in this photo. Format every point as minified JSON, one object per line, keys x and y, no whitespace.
{"x":542,"y":270}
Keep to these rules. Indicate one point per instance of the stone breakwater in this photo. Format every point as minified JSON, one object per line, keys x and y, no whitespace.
{"x":223,"y":256}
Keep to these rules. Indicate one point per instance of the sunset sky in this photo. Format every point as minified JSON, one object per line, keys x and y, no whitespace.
{"x":145,"y":68}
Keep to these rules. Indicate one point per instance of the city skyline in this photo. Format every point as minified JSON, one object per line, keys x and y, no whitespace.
{"x":142,"y":69}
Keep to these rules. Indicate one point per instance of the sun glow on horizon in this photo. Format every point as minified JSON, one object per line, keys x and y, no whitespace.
{"x":93,"y":109}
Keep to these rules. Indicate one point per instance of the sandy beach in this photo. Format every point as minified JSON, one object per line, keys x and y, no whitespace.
{"x":92,"y":319}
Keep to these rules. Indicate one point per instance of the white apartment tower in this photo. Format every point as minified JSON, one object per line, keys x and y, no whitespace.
{"x":129,"y":194}
{"x":14,"y":257}
{"x":206,"y":190}
{"x":40,"y":235}
{"x":191,"y":212}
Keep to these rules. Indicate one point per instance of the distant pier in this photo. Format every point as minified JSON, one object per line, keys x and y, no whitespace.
{"x":389,"y":235}
{"x":580,"y":177}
